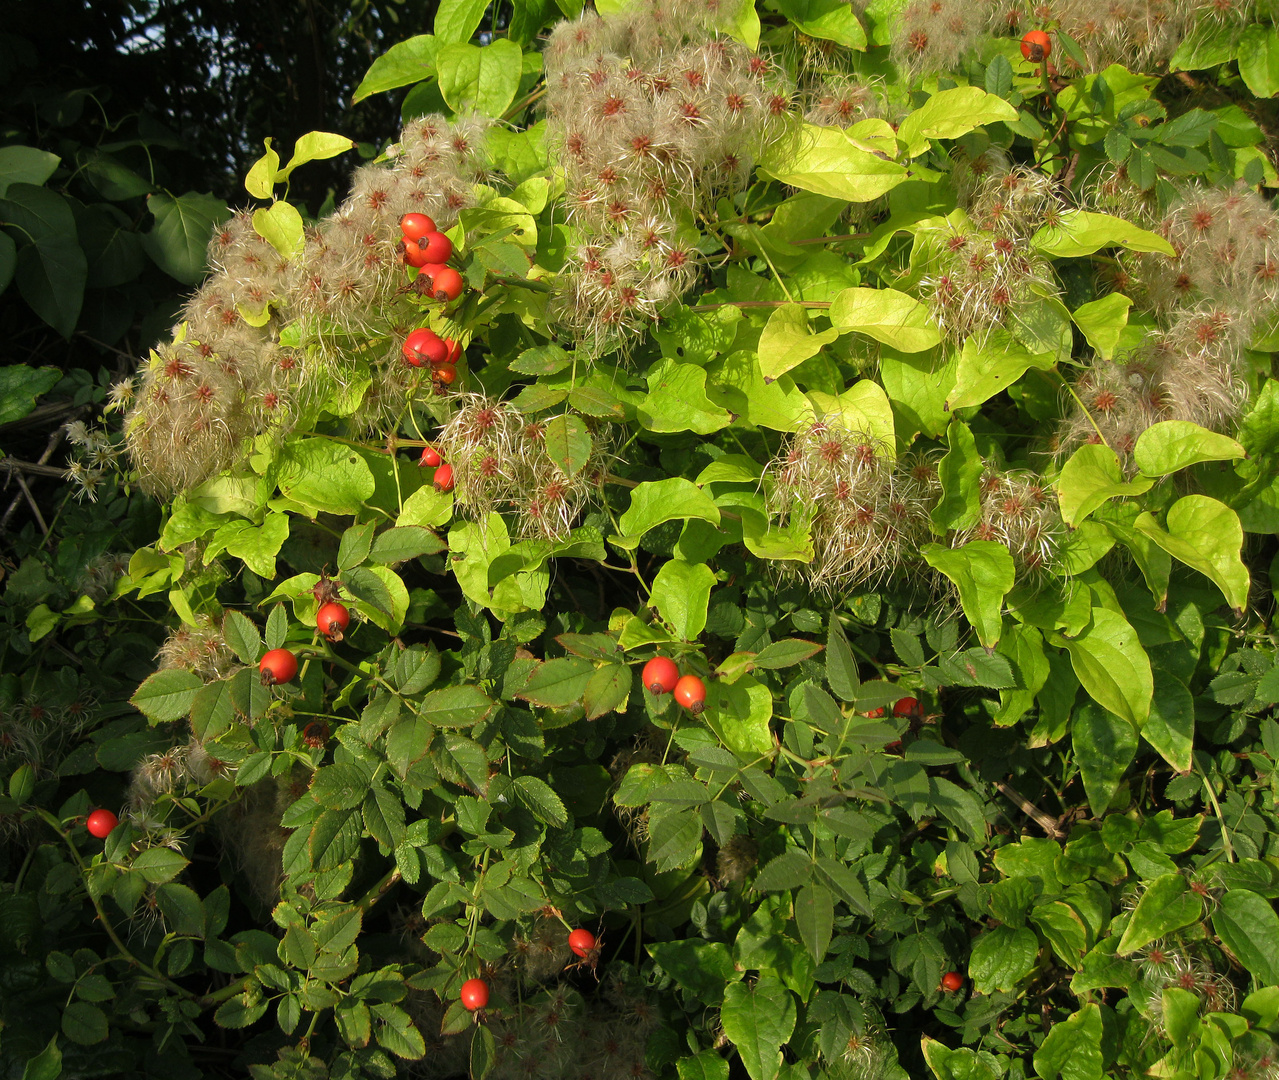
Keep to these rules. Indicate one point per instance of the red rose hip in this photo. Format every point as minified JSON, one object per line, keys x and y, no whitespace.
{"x":444,"y":477}
{"x":907,"y":706}
{"x":332,"y":619}
{"x":100,"y":823}
{"x":1036,"y":46}
{"x":660,"y":675}
{"x":690,"y":692}
{"x":581,"y":942}
{"x":475,"y":994}
{"x":278,"y":666}
{"x":447,"y":284}
{"x":416,"y":226}
{"x":952,"y":981}
{"x":437,"y":247}
{"x":430,"y":458}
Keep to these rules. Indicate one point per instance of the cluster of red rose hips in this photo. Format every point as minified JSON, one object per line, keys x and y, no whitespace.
{"x":429,"y":250}
{"x":475,"y":992}
{"x":661,"y":676}
{"x":443,"y":479}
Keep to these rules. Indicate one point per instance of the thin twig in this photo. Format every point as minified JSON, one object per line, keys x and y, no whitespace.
{"x":1045,"y":821}
{"x":32,"y":503}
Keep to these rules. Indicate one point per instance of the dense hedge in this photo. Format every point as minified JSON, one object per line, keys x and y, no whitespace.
{"x":900,"y":371}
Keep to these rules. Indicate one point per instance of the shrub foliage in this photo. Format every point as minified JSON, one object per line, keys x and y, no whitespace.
{"x":908,"y":383}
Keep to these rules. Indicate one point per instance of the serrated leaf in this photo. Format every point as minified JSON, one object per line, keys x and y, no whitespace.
{"x":166,"y":695}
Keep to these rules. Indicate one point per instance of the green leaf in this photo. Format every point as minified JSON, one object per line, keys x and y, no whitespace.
{"x":863,"y":407}
{"x":384,"y":817}
{"x":1081,"y":232}
{"x":47,"y":1065}
{"x":959,"y":472}
{"x":789,"y":870}
{"x":1171,"y":445}
{"x":457,"y":20}
{"x":841,"y":668}
{"x":567,"y":443}
{"x":758,"y":1019}
{"x":1001,"y":958}
{"x":1112,"y":666}
{"x":1207,"y":536}
{"x":315,"y":146}
{"x":8,"y":260}
{"x":280,"y":225}
{"x":707,"y":1065}
{"x":166,"y":695}
{"x":888,"y":316}
{"x":51,"y":275}
{"x":1090,"y":478}
{"x":961,"y":1064}
{"x":178,"y":240}
{"x":403,"y":63}
{"x":1072,"y":1049}
{"x":1104,"y":746}
{"x":677,"y":401}
{"x":242,"y":636}
{"x":608,"y":690}
{"x":326,"y":475}
{"x":259,"y":181}
{"x":558,"y":682}
{"x":950,"y":114}
{"x":830,"y":20}
{"x":1170,"y":727}
{"x":1102,"y":322}
{"x":541,"y":799}
{"x":1249,"y":928}
{"x":20,"y":385}
{"x":988,"y":365}
{"x":815,"y":917}
{"x":456,"y":706}
{"x":785,"y":653}
{"x":704,"y":968}
{"x":826,"y":161}
{"x":681,"y":592}
{"x":400,"y":543}
{"x":182,"y":909}
{"x":159,"y":865}
{"x":480,"y":79}
{"x":1259,"y":59}
{"x":25,"y":165}
{"x":787,"y":341}
{"x":1166,"y":905}
{"x":983,"y":572}
{"x":84,"y":1023}
{"x":255,"y":546}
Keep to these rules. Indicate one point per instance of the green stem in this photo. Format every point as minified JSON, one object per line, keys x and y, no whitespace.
{"x":125,"y":954}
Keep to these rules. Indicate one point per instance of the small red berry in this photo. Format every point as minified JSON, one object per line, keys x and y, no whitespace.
{"x":448,"y":284}
{"x":278,"y":666}
{"x":660,"y":675}
{"x":581,"y":942}
{"x":455,"y":351}
{"x":100,"y":823}
{"x":444,"y":477}
{"x":952,"y":981}
{"x":445,"y":375}
{"x":875,"y":714}
{"x":690,"y":692}
{"x":416,"y":226}
{"x":475,"y":994}
{"x":1036,"y":46}
{"x":437,"y":247}
{"x":907,"y":706}
{"x":424,"y":345}
{"x":332,"y":619}
{"x":414,"y":255}
{"x":430,"y":457}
